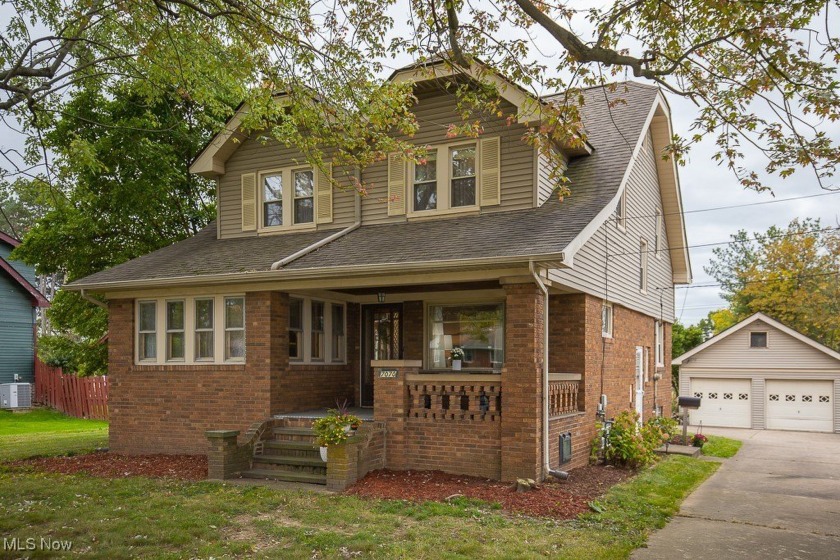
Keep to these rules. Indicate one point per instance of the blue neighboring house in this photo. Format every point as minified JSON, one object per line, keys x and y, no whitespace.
{"x":18,"y":299}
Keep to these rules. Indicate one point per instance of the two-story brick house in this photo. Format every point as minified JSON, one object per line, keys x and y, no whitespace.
{"x":300,"y":293}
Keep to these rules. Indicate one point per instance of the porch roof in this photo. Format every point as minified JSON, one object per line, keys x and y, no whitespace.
{"x":505,"y":235}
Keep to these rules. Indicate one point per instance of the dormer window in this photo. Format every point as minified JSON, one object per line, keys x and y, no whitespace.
{"x":462,"y":176}
{"x":304,"y":181}
{"x":425,"y":183}
{"x":758,"y":339}
{"x":272,"y":200}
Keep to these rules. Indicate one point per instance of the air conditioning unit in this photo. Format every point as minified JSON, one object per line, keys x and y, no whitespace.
{"x":15,"y":395}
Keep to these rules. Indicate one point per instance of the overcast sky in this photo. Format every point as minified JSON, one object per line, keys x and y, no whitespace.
{"x":704,"y":185}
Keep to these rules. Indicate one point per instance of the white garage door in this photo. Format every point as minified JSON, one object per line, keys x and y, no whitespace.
{"x":723,"y":402}
{"x":800,"y":405}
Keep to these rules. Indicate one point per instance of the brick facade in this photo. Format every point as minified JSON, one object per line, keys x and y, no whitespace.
{"x":168,"y":408}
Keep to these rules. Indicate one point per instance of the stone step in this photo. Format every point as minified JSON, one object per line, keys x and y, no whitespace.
{"x":293,"y":433}
{"x":287,"y":460}
{"x":287,"y":476}
{"x":287,"y":445}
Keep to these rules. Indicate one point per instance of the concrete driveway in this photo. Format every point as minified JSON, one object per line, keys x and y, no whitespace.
{"x":779,"y":497}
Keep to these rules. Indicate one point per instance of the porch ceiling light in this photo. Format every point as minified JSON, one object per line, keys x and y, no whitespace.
{"x":380,"y":297}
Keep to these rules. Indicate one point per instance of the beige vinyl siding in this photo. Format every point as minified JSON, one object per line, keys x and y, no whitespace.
{"x":757,"y":387}
{"x":783,"y":351}
{"x":435,"y":112}
{"x":254,"y":156}
{"x":545,"y":186}
{"x":622,"y":276}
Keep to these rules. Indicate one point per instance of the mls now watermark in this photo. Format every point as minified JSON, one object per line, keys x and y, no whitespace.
{"x":18,"y":544}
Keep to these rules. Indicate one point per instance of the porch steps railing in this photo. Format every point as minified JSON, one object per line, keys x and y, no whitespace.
{"x":291,"y":456}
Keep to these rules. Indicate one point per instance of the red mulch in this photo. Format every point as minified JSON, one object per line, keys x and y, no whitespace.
{"x":113,"y":465}
{"x":556,"y":499}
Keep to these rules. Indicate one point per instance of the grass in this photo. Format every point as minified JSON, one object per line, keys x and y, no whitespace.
{"x":138,"y":517}
{"x":43,"y":432}
{"x":719,"y":446}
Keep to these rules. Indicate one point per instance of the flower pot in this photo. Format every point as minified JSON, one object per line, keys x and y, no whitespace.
{"x":456,"y":365}
{"x":348,"y":429}
{"x":323,"y":451}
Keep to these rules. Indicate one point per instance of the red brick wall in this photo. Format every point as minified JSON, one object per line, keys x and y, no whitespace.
{"x":167,"y":408}
{"x":461,"y":447}
{"x":580,"y":428}
{"x":575,"y":341}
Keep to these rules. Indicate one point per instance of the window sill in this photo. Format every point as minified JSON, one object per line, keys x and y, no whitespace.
{"x":287,"y":229}
{"x":432,"y":214}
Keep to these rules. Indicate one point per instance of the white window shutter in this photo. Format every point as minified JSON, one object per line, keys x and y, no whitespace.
{"x":490,"y":179}
{"x":249,"y":201}
{"x":396,"y":184}
{"x":324,"y":194}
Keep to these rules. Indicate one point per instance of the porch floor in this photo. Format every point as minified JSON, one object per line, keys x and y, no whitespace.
{"x":364,"y":414}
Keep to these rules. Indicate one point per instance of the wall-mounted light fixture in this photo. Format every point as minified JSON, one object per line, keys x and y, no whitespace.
{"x":380,"y":297}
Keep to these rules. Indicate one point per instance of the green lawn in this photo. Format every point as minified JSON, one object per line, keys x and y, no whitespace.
{"x":719,"y":446}
{"x":47,"y":432}
{"x":138,"y":517}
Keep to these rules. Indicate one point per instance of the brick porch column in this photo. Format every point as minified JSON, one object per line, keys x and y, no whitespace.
{"x":522,"y":382}
{"x":390,"y":405}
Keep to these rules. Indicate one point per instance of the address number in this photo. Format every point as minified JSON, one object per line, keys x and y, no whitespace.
{"x":387,"y":374}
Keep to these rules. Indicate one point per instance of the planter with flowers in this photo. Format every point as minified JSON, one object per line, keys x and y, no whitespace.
{"x":457,"y":355}
{"x":699,"y":440}
{"x":334,"y":429}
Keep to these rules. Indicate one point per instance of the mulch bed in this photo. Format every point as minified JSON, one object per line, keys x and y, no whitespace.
{"x":113,"y":465}
{"x":555,"y":499}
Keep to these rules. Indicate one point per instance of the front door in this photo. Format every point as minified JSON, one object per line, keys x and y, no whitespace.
{"x":381,"y":340}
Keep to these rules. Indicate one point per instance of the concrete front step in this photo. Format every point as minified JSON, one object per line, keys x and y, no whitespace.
{"x":293,"y":431}
{"x":288,"y":476}
{"x":287,"y":460}
{"x":286,"y":445}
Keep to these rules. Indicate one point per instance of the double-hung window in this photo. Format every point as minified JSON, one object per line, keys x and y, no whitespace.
{"x":147,"y":332}
{"x":643,"y":265}
{"x":659,"y":336}
{"x":295,"y":329}
{"x":621,"y":212}
{"x":425,"y":183}
{"x":234,"y":328}
{"x":273,"y":200}
{"x":175,"y":331}
{"x":657,"y":245}
{"x":317,"y":331}
{"x":462,"y":175}
{"x":607,"y":320}
{"x":205,"y":337}
{"x":304,"y":182}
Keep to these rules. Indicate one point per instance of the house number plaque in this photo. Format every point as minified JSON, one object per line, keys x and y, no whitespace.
{"x":388,"y":373}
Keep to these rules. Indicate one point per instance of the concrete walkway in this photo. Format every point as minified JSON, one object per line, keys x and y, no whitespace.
{"x":779,"y":497}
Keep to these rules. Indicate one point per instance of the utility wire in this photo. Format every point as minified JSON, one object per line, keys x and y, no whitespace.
{"x":764,"y":281}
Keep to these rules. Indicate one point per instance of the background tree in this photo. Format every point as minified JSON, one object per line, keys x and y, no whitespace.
{"x":792,"y":275}
{"x":683,"y":339}
{"x":760,"y":75}
{"x":120,"y":189}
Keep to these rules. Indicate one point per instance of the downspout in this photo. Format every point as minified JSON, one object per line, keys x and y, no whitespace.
{"x":329,"y":239}
{"x":546,"y":463}
{"x":92,"y":300}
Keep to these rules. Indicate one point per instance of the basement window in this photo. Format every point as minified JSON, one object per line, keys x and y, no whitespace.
{"x":758,"y":339}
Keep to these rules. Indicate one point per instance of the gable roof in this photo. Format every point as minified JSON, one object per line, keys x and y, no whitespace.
{"x":37,"y":297}
{"x":745,"y":323}
{"x":544,"y":233}
{"x":9,"y":240}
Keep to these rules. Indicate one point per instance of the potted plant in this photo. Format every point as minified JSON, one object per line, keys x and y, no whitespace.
{"x":457,"y":354}
{"x":333,"y":429}
{"x":699,"y":440}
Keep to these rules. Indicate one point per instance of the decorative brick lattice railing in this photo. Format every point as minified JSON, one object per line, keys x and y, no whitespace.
{"x":454,"y":397}
{"x":563,"y":391}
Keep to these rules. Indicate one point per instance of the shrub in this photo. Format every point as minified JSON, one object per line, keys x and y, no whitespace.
{"x":629,"y":445}
{"x":333,"y":428}
{"x":668,"y":426}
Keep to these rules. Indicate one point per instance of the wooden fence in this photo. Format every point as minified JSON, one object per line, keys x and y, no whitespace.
{"x":83,"y":397}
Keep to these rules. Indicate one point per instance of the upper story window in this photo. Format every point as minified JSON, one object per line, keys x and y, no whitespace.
{"x":462,"y":175}
{"x":758,"y":339}
{"x":316,"y":331}
{"x":454,"y":177}
{"x":621,"y":212}
{"x":643,"y":265}
{"x":425,"y":183}
{"x":659,"y":341}
{"x":657,"y":243}
{"x":288,"y":198}
{"x":189,"y":332}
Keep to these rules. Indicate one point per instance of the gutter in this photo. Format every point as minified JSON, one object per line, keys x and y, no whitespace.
{"x":562,"y":475}
{"x":329,"y":239}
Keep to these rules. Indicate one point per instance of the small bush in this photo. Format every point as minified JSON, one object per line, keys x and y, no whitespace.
{"x":629,"y":445}
{"x":332,"y":429}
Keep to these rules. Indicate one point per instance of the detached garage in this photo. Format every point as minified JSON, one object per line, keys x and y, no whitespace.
{"x":761,"y":374}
